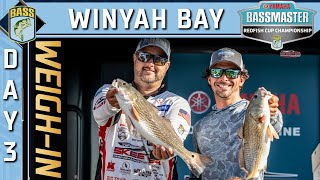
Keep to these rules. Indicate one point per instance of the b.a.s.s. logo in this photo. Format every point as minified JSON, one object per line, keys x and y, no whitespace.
{"x":22,"y":24}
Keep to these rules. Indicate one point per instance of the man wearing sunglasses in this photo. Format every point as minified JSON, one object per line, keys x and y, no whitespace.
{"x":216,"y":134}
{"x":124,"y":154}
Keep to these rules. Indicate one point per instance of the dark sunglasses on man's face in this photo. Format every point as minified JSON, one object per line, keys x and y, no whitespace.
{"x":230,"y":73}
{"x":157,"y":60}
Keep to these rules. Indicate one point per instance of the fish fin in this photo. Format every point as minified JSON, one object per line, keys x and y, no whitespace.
{"x":254,"y":174}
{"x":272,"y":132}
{"x":270,"y":136}
{"x":135,"y":113}
{"x":241,"y":160}
{"x":167,"y":123}
{"x":198,"y":163}
{"x":262,"y":119}
{"x":241,"y":152}
{"x":265,"y":168}
{"x":240,"y":132}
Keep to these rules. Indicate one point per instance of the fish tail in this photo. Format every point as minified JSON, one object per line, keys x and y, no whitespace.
{"x":198,"y":163}
{"x":253,"y":174}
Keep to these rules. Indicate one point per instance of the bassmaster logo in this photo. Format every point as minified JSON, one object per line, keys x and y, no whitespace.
{"x":277,"y":23}
{"x":22,"y":24}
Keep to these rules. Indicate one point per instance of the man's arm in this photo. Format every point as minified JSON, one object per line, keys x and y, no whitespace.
{"x":103,"y":111}
{"x":276,"y":116}
{"x":276,"y":121}
{"x":180,"y":116}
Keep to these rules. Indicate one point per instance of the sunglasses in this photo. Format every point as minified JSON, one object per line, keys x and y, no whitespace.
{"x":157,"y":60}
{"x":230,"y":73}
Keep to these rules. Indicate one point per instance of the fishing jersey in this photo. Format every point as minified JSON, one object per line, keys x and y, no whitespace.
{"x":216,"y":135}
{"x":124,"y":153}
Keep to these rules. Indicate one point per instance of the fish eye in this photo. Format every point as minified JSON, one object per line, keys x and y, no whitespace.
{"x":255,"y":96}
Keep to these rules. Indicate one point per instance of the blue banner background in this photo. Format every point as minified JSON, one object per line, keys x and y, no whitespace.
{"x":8,"y":170}
{"x":58,"y":22}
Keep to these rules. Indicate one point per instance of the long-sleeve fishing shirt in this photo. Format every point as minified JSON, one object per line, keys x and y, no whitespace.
{"x":124,"y":154}
{"x":216,"y":135}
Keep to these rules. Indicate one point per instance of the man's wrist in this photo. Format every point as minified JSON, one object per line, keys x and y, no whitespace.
{"x":110,"y":107}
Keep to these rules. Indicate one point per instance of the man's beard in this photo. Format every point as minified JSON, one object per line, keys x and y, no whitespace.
{"x":150,"y":78}
{"x":226,"y":94}
{"x":223,"y":95}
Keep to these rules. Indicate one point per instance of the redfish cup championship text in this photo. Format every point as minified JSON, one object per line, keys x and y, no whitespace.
{"x":145,"y":18}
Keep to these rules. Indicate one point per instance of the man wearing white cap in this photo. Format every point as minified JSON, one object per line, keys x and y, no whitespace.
{"x":216,"y":134}
{"x":124,"y":154}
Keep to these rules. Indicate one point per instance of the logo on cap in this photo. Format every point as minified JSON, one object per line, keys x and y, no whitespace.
{"x":163,"y":44}
{"x":225,"y":54}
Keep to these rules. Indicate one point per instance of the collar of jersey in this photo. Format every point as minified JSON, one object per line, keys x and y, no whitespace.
{"x":230,"y":107}
{"x":160,"y":90}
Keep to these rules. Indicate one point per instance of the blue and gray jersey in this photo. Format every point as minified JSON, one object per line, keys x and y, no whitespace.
{"x":216,"y":135}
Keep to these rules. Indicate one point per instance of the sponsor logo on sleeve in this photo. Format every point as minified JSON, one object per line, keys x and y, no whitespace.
{"x":110,"y":166}
{"x":101,"y":101}
{"x":185,"y":115}
{"x":142,"y":172}
{"x":125,"y":168}
{"x":181,"y":129}
{"x":123,"y":133}
{"x":164,"y":108}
